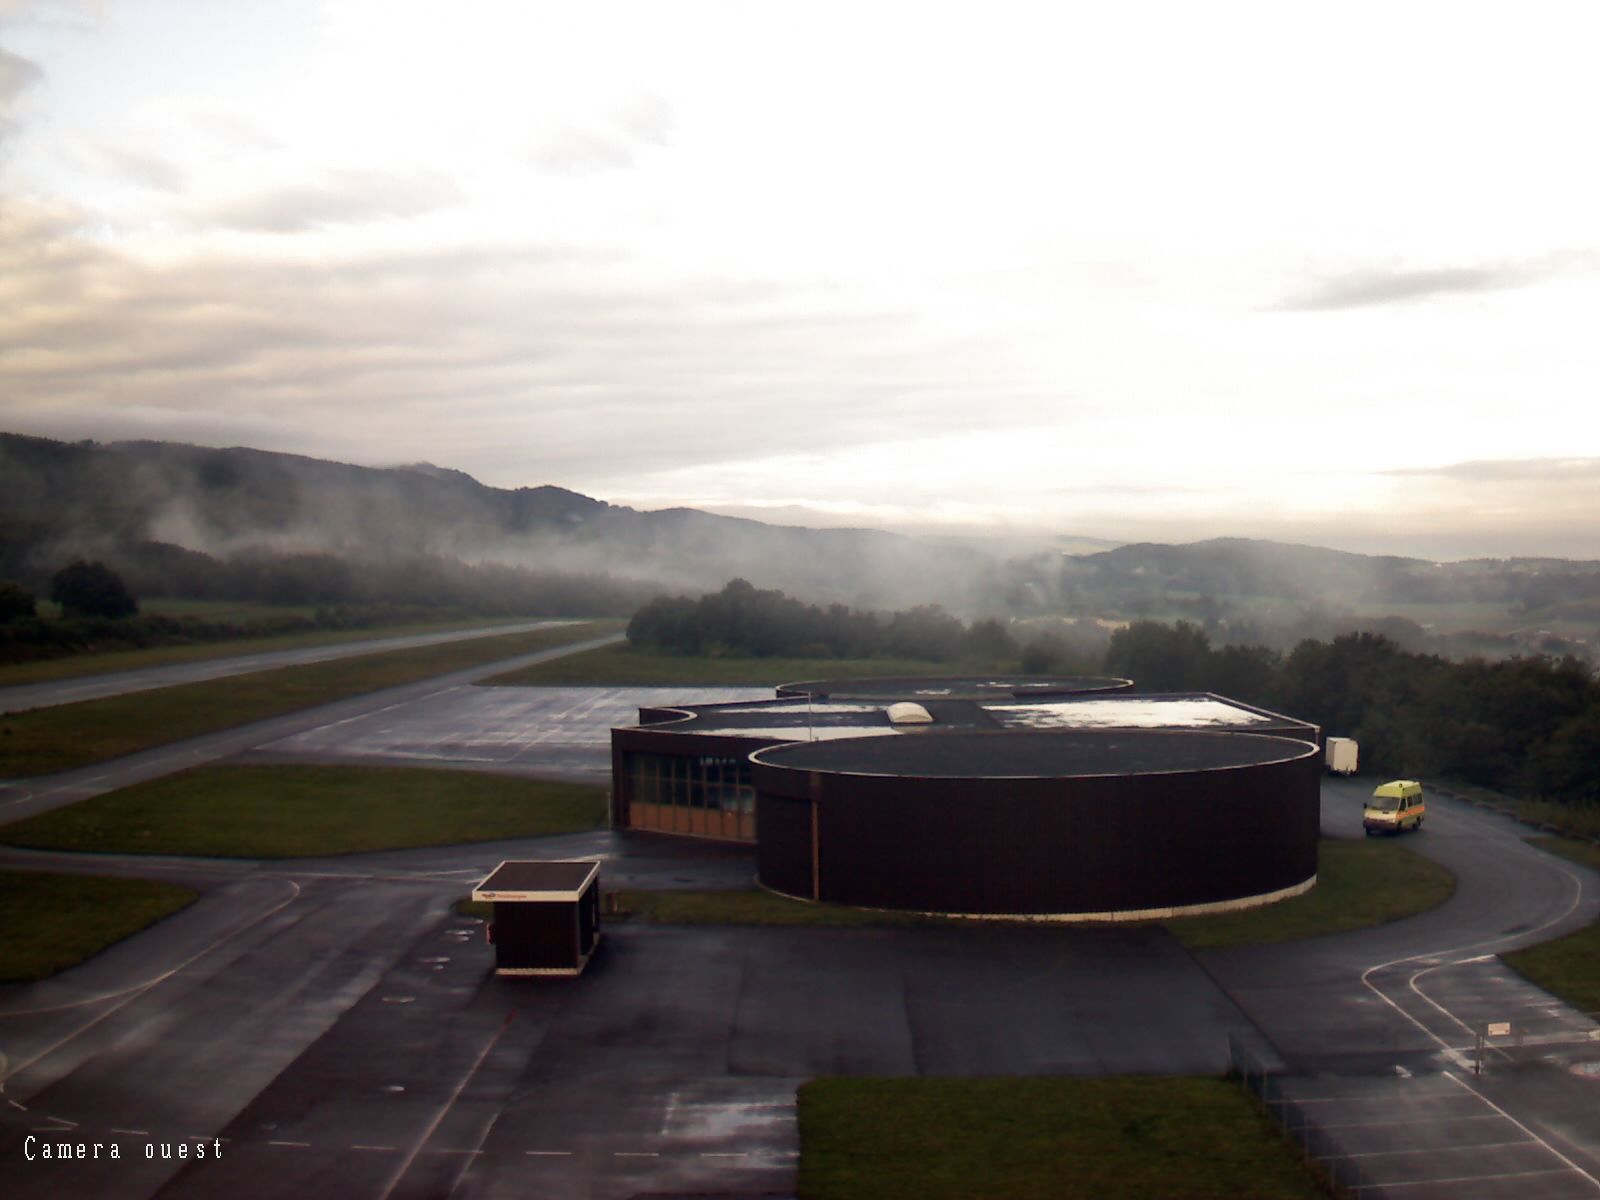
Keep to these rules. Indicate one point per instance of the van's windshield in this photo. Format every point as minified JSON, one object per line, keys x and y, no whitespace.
{"x":1384,"y":803}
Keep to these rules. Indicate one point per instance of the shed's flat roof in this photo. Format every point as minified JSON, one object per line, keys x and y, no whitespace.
{"x":532,"y":880}
{"x":1038,"y":755}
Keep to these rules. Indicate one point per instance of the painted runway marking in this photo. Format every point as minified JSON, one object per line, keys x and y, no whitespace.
{"x":1469,"y":1178}
{"x":433,"y":1126}
{"x":1474,"y":1091}
{"x":1392,"y":1124}
{"x":1437,"y":1150}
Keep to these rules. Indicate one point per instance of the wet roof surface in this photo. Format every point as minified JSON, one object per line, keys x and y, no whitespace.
{"x":530,"y":876}
{"x":1039,"y":755}
{"x":1141,"y":712}
{"x":953,"y":687}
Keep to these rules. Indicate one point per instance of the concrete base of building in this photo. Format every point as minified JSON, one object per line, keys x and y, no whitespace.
{"x":1139,"y":914}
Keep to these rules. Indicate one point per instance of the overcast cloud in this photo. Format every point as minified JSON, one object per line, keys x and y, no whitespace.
{"x":1156,"y":271}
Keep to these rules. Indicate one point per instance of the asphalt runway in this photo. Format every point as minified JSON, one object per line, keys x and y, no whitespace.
{"x":339,"y":1026}
{"x":1379,"y":1027}
{"x":544,"y":730}
{"x":95,"y":687}
{"x":24,"y":797}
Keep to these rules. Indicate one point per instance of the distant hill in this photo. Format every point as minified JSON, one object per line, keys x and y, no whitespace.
{"x":64,"y":500}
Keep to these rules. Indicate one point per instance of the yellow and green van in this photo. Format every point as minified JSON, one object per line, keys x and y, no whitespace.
{"x":1393,"y":806}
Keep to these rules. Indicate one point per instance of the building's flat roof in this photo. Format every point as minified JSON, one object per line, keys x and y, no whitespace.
{"x":789,"y":719}
{"x":1127,"y":712}
{"x":532,"y":880}
{"x":1038,"y":755}
{"x":952,"y":687}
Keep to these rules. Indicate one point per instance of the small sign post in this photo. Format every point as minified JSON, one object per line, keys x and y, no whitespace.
{"x":1490,"y":1029}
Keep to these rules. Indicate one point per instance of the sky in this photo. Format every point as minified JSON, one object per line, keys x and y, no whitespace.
{"x":1326,"y":274}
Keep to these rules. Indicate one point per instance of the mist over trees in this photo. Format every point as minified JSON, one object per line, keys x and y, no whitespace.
{"x":745,"y":620}
{"x":1527,"y":725}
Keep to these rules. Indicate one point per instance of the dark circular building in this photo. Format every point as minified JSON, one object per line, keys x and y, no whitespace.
{"x":1081,"y":825}
{"x":953,"y":687}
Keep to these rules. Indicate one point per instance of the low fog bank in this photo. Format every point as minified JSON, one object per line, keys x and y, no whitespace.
{"x":190,"y":521}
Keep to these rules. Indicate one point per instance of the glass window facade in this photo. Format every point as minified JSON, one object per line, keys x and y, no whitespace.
{"x":706,"y":794}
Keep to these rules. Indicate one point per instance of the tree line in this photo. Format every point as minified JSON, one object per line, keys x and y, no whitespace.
{"x":743,"y":620}
{"x":1525,"y":725}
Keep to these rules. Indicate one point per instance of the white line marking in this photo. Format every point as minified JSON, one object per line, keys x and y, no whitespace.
{"x":1416,"y":1121}
{"x":548,"y":1153}
{"x":636,"y":1154}
{"x":18,"y":1107}
{"x":131,"y":1132}
{"x":1438,"y":1149}
{"x":136,"y":988}
{"x":442,"y":1150}
{"x":356,"y":1147}
{"x":302,"y":1145}
{"x":1468,"y":1178}
{"x":400,"y":1173}
{"x":1577,"y":898}
{"x":722,"y":1154}
{"x":1468,"y":1087}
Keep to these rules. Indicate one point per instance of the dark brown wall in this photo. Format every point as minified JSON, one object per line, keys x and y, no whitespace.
{"x":536,"y":933}
{"x":1099,"y":844}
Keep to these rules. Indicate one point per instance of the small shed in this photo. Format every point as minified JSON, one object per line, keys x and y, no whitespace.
{"x":546,"y":916}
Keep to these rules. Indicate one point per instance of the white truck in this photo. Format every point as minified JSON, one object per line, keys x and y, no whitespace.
{"x":1341,"y":755}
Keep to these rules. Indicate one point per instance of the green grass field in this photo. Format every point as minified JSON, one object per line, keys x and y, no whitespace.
{"x":621,"y":665}
{"x":51,"y":922}
{"x":1359,"y":884}
{"x":1129,"y":1138}
{"x":74,"y":735}
{"x":1568,"y":967}
{"x":77,"y":665}
{"x":296,"y":811}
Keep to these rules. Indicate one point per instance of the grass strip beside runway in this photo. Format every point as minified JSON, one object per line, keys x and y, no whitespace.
{"x":1568,"y":967}
{"x":621,"y":666}
{"x":76,"y":666}
{"x":46,"y":740}
{"x":249,"y":811}
{"x":49,"y":922}
{"x":1042,"y":1138}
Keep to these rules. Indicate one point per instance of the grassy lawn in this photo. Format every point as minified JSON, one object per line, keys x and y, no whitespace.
{"x":1568,"y":967}
{"x":74,"y":735}
{"x":51,"y":922}
{"x":1359,"y":884}
{"x":1127,"y":1138}
{"x":1581,"y":820}
{"x":294,"y":811}
{"x":621,"y":665}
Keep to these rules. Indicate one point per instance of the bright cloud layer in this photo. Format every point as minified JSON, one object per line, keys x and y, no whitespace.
{"x":1157,"y":271}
